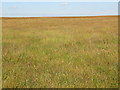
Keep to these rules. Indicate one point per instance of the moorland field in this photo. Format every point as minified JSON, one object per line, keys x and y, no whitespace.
{"x":60,"y":52}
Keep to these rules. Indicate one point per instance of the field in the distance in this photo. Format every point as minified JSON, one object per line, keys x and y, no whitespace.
{"x":60,"y":52}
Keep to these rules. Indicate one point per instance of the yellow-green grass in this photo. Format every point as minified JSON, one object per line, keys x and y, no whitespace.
{"x":60,"y":53}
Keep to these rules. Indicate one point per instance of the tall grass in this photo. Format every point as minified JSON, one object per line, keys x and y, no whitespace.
{"x":60,"y":53}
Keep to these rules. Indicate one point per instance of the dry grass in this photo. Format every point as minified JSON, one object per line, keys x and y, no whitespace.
{"x":60,"y":52}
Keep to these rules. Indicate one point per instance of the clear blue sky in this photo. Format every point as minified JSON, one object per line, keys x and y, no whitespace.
{"x":39,"y":9}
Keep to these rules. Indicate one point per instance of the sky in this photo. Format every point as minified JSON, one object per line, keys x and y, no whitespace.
{"x":60,"y":0}
{"x":46,"y":9}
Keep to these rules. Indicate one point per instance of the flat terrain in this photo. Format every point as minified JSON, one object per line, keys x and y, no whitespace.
{"x":60,"y":52}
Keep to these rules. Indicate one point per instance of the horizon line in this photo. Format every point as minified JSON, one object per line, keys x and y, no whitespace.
{"x":62,"y":16}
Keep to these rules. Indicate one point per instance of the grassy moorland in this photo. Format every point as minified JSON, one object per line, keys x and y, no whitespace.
{"x":60,"y":52}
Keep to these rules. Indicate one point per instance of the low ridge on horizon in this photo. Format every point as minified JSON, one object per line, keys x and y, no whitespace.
{"x":66,"y":16}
